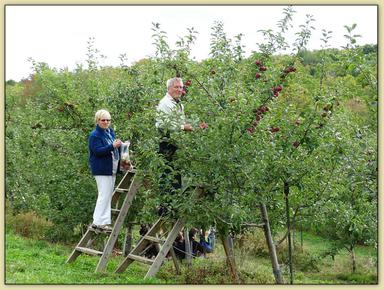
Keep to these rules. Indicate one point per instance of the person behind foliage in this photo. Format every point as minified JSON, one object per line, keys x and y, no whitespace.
{"x":170,"y":118}
{"x":104,"y":159}
{"x":198,"y":248}
{"x":208,"y":243}
{"x":203,"y":246}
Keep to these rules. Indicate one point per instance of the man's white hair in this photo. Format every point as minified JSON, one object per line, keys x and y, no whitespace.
{"x":171,"y":81}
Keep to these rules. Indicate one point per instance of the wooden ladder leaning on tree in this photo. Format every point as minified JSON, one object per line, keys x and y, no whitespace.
{"x":164,"y":237}
{"x":127,"y":188}
{"x":160,"y":235}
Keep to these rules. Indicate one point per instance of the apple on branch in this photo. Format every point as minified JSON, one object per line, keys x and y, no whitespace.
{"x":203,"y":125}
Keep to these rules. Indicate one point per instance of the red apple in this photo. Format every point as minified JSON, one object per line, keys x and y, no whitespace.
{"x":203,"y":125}
{"x":251,"y":129}
{"x":263,"y":109}
{"x":289,"y":69}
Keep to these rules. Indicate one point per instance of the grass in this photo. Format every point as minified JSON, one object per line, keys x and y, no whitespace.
{"x":31,"y":261}
{"x":38,"y":262}
{"x":339,"y":269}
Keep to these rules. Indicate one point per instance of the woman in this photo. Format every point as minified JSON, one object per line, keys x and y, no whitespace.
{"x":104,"y":159}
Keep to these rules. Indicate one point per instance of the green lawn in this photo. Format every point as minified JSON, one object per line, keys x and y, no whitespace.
{"x":38,"y":262}
{"x":339,"y":269}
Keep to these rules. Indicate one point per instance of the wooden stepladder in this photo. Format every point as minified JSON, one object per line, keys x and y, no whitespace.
{"x":127,"y":188}
{"x":163,"y":239}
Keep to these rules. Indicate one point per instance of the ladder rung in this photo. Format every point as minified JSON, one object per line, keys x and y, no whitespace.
{"x":98,"y":231}
{"x":89,"y":251}
{"x":141,"y":259}
{"x":154,"y":239}
{"x":121,"y":190}
{"x":115,"y":210}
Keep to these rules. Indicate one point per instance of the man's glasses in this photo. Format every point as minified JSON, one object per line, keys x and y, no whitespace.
{"x":105,"y":120}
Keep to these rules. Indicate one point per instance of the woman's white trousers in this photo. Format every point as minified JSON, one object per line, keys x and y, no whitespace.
{"x":105,"y":187}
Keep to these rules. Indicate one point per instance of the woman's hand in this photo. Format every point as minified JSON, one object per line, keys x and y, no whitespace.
{"x":116,"y":143}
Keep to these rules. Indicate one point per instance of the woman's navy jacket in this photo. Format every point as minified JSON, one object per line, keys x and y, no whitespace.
{"x":100,"y":151}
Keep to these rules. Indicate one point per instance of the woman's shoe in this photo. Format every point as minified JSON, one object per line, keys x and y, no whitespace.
{"x":93,"y":226}
{"x":105,"y":228}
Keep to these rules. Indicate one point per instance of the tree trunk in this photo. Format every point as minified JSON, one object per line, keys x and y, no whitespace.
{"x":271,"y":246}
{"x":293,"y":229}
{"x":127,"y":240}
{"x":228,"y":248}
{"x":286,"y":194}
{"x":353,"y":255}
{"x":187,"y":248}
{"x":301,"y":235}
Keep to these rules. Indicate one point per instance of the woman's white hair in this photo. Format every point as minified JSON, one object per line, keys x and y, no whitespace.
{"x":101,"y":114}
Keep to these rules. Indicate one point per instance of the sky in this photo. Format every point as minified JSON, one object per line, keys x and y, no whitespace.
{"x":58,"y":35}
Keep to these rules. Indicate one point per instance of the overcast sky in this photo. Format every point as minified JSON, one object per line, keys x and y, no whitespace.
{"x":58,"y":35}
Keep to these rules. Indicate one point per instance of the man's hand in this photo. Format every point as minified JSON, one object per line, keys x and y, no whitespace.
{"x":187,"y":127}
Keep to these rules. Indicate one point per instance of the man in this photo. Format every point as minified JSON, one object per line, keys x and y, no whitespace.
{"x":170,"y":111}
{"x":171,"y":118}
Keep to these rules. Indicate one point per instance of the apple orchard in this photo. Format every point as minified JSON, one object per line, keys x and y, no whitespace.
{"x":268,"y":127}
